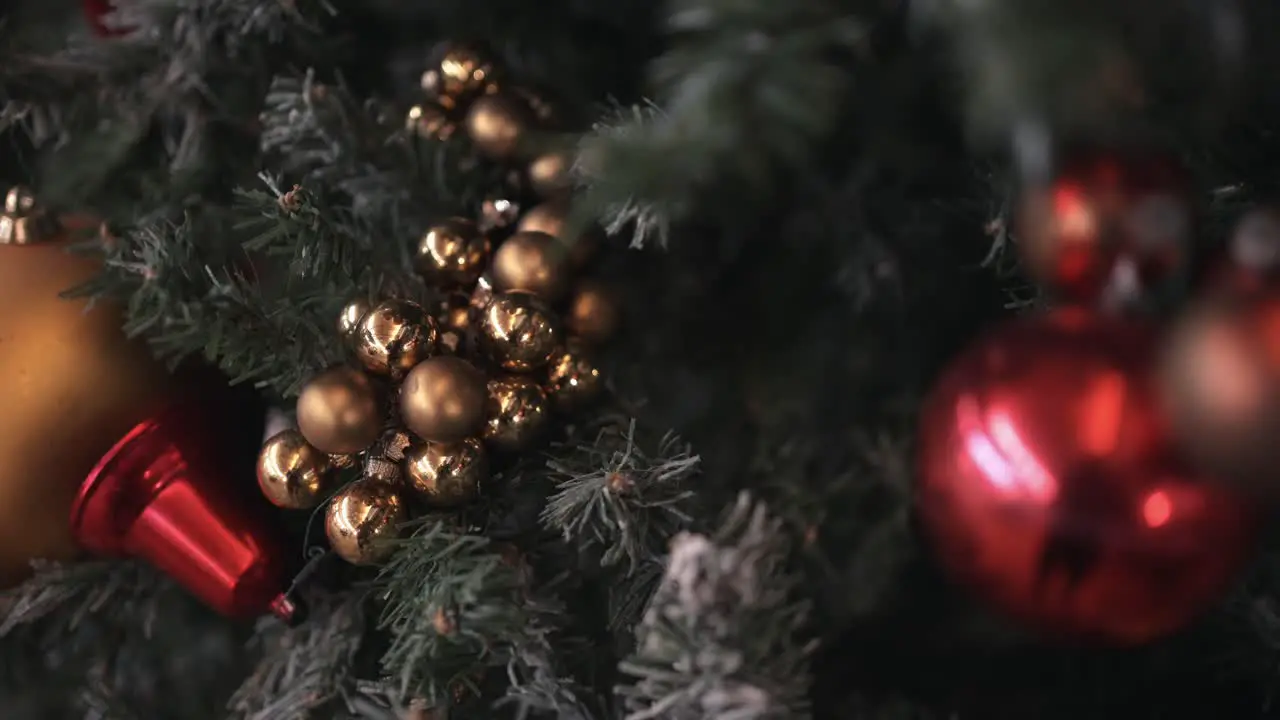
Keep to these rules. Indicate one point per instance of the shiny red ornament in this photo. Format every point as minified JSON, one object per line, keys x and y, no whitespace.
{"x":162,"y":493}
{"x":1109,"y":226}
{"x":1048,"y":487}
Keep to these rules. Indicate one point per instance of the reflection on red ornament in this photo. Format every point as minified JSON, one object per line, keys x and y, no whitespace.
{"x":1047,"y":485}
{"x":164,"y":494}
{"x":1108,"y":224}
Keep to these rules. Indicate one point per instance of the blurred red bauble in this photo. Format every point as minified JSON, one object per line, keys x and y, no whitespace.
{"x":163,"y":494}
{"x":1048,"y":487}
{"x":94,"y":12}
{"x":1220,"y":382}
{"x":1252,"y":259}
{"x":1109,"y":225}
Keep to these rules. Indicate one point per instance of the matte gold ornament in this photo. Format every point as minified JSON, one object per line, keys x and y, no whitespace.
{"x":72,"y":385}
{"x":351,"y":316}
{"x":533,"y":262}
{"x":572,"y":379}
{"x":594,"y":312}
{"x":453,"y":253}
{"x":549,"y":174}
{"x":362,"y":521}
{"x":23,"y":222}
{"x":442,"y":399}
{"x":516,"y":413}
{"x":338,"y":412}
{"x":519,"y":332}
{"x":430,"y":122}
{"x":394,"y":336}
{"x":291,"y":473}
{"x":447,"y":475}
{"x":550,"y":218}
{"x":461,"y":75}
{"x":497,"y":125}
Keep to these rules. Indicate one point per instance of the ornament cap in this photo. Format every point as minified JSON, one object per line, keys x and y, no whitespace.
{"x":159,"y":494}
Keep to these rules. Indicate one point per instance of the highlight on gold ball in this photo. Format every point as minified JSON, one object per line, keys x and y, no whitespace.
{"x":461,"y":74}
{"x":442,"y":399}
{"x":394,"y":336}
{"x":534,"y":262}
{"x":430,"y":122}
{"x":573,"y":380}
{"x":350,"y":317}
{"x":519,"y":332}
{"x":446,"y":475}
{"x":498,"y":125}
{"x":516,"y":412}
{"x":291,"y":473}
{"x":550,"y":174}
{"x":453,"y":253}
{"x":338,"y":411}
{"x":362,"y":521}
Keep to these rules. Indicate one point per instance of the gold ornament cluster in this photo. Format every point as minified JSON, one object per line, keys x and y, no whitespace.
{"x":437,"y":391}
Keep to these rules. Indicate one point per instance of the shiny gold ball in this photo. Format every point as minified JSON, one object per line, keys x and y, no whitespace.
{"x":442,"y":399}
{"x":453,"y":253}
{"x":72,"y":385}
{"x":572,"y":379}
{"x":430,"y":122}
{"x":19,"y":201}
{"x":516,"y":412}
{"x":533,"y":262}
{"x":594,"y":312}
{"x":291,"y":473}
{"x":550,"y":218}
{"x":362,"y":521}
{"x":461,"y":74}
{"x":549,"y":174}
{"x":394,"y":336}
{"x":351,"y":316}
{"x":518,"y":331}
{"x":447,"y":475}
{"x":497,"y":125}
{"x":338,"y":412}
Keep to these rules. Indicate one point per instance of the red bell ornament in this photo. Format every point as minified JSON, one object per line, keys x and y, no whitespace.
{"x":1047,"y":485}
{"x":1107,"y":227}
{"x":162,"y":494}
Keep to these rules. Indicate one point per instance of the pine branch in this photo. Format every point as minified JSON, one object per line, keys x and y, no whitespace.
{"x":620,"y":495}
{"x":73,"y":592}
{"x":723,"y":637}
{"x":454,"y":608}
{"x":746,"y":91}
{"x":305,"y":667}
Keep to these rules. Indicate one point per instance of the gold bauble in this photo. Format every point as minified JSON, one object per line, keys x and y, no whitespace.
{"x":393,"y":337}
{"x":550,"y":218}
{"x":497,"y":126}
{"x":338,"y":412}
{"x":291,"y":473}
{"x":455,"y":312}
{"x":23,"y":221}
{"x":549,"y":174}
{"x":593,"y":314}
{"x":442,"y":399}
{"x":362,"y":521}
{"x":572,"y":378}
{"x":351,"y":316}
{"x":72,"y":385}
{"x":429,"y":122}
{"x":533,"y":262}
{"x":453,"y":253}
{"x":461,"y":74}
{"x":446,"y":475}
{"x":516,"y":412}
{"x":518,"y":331}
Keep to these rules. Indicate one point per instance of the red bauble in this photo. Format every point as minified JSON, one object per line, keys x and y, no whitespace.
{"x":162,"y":494}
{"x":94,"y":12}
{"x":1220,"y":382}
{"x":1048,"y":487}
{"x":1109,"y":225}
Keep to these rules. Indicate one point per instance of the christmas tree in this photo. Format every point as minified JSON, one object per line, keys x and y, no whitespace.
{"x":927,"y":346}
